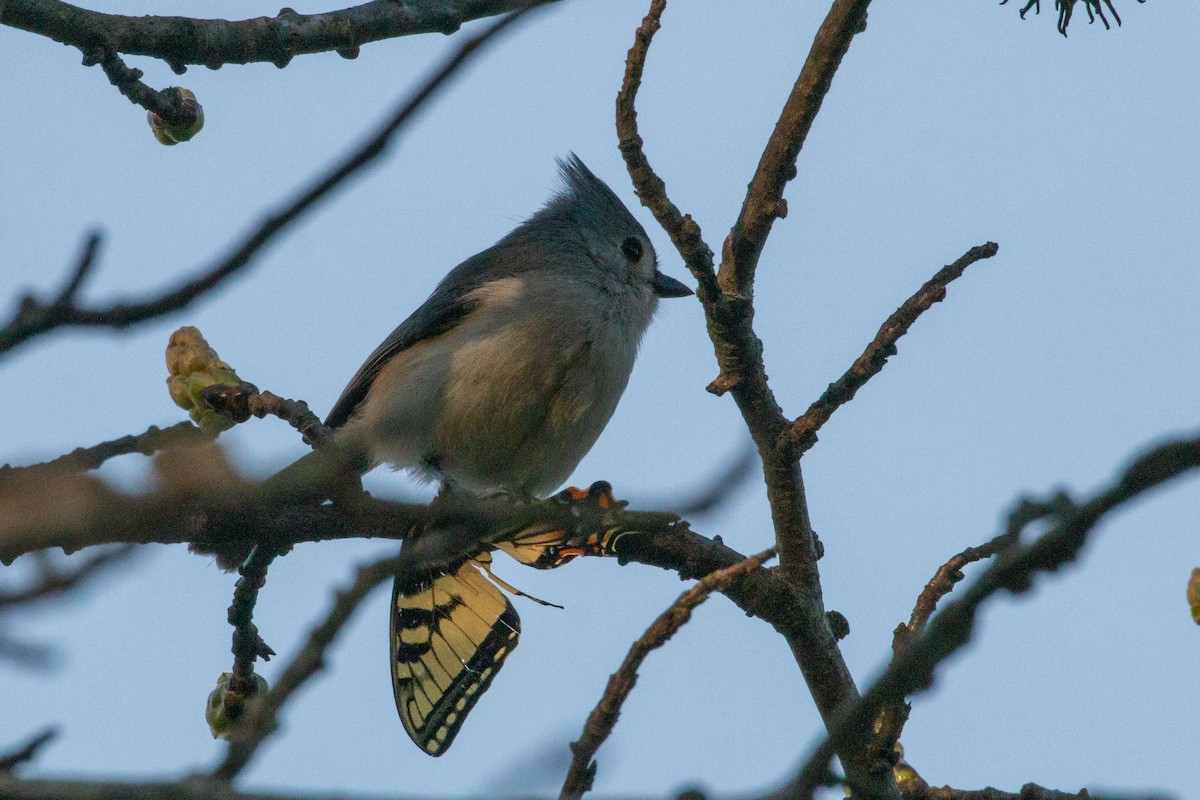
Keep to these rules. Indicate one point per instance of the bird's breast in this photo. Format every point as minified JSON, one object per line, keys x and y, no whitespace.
{"x":525,"y":403}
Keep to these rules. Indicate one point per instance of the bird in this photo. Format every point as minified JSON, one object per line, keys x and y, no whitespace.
{"x":501,"y":381}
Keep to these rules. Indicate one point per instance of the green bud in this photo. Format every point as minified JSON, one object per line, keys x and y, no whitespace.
{"x":172,"y":133}
{"x":225,"y":706}
{"x":1193,"y":594}
{"x":192,"y":366}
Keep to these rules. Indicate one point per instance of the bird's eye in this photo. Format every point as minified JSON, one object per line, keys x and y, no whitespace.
{"x":632,"y":249}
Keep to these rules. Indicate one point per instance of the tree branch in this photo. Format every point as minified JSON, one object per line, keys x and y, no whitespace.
{"x":912,"y":670}
{"x":53,"y":580}
{"x":169,"y":105}
{"x":25,"y":753}
{"x":196,"y":502}
{"x":181,"y":41}
{"x":181,"y":434}
{"x":34,"y":318}
{"x":31,"y":655}
{"x":729,"y":315}
{"x":604,"y":716}
{"x":1030,"y":791}
{"x":719,"y":489}
{"x":258,"y":722}
{"x":764,"y":200}
{"x":247,"y":644}
{"x":195,"y":788}
{"x":651,"y":190}
{"x":889,"y":724}
{"x":243,"y":401}
{"x":803,"y":431}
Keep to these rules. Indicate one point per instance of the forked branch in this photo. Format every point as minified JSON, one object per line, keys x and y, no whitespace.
{"x":914,"y":666}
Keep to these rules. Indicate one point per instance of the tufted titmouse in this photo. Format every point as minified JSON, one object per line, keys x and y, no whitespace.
{"x":505,"y":377}
{"x":501,"y":380}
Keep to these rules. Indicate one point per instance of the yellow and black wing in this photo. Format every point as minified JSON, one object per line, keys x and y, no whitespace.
{"x":452,"y":629}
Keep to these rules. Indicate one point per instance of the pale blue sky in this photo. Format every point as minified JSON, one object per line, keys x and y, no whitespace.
{"x":949,"y":124}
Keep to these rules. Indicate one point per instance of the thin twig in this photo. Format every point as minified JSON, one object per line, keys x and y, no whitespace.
{"x":193,"y":788}
{"x":181,"y":434}
{"x":26,"y":752}
{"x":651,"y":190}
{"x":714,"y":492}
{"x":30,"y":655}
{"x":53,"y":581}
{"x":604,"y":716}
{"x":247,"y":644}
{"x":1030,"y":791}
{"x":804,"y":430}
{"x":1024,"y":514}
{"x":946,"y":578}
{"x":168,"y":104}
{"x":258,"y":721}
{"x":87,"y":259}
{"x":913,"y":668}
{"x":32,"y":313}
{"x":914,"y":787}
{"x":889,"y":725}
{"x":245,"y":400}
{"x":34,"y":318}
{"x":764,"y":200}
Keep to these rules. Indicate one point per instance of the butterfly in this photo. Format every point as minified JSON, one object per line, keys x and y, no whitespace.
{"x":452,"y":627}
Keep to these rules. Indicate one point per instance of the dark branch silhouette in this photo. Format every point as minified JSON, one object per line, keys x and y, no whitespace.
{"x":259,"y":720}
{"x":34,"y":318}
{"x":54,"y":579}
{"x":1065,"y":8}
{"x":9,"y":762}
{"x":913,"y":668}
{"x":604,"y":716}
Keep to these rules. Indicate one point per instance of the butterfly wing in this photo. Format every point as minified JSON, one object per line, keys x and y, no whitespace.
{"x":548,"y":548}
{"x":452,"y":628}
{"x":451,"y":631}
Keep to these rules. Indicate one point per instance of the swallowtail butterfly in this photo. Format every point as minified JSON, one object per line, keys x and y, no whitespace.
{"x":452,"y":627}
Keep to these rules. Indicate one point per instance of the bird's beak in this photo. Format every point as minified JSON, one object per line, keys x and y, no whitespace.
{"x":665,"y":286}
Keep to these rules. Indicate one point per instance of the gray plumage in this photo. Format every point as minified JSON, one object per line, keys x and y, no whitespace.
{"x":505,"y":377}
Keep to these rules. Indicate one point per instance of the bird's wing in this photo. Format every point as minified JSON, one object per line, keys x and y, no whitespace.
{"x":449,"y":305}
{"x":440,"y":313}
